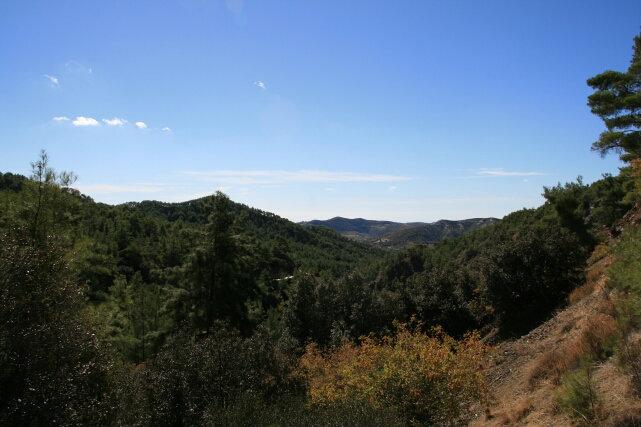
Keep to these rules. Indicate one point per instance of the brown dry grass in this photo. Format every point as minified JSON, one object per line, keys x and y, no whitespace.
{"x":600,"y":253}
{"x":619,"y":407}
{"x":553,"y":364}
{"x":630,"y":360}
{"x":606,"y":306}
{"x":581,"y":292}
{"x":524,"y":374}
{"x":594,"y":343}
{"x":599,"y":262}
{"x":597,"y":339}
{"x":627,"y":420}
{"x":516,"y":413}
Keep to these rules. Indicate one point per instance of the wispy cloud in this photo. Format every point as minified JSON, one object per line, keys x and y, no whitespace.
{"x":166,"y":129}
{"x":85,"y":121}
{"x":79,"y":68}
{"x":141,"y":125}
{"x":261,"y":84}
{"x":60,"y":119}
{"x":55,"y":82}
{"x":114,"y":122}
{"x":123,"y":192}
{"x":500,"y":172}
{"x":124,"y":188}
{"x":246,"y":177}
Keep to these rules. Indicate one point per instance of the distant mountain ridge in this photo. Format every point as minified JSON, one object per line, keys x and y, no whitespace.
{"x":397,"y":234}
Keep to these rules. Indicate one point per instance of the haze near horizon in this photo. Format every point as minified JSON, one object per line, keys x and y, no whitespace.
{"x":412,"y":111}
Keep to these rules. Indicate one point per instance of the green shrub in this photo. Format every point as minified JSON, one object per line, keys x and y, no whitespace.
{"x":193,"y":376}
{"x":625,"y":277}
{"x":53,"y":368}
{"x":293,"y":410}
{"x":526,"y":277}
{"x":625,"y":272}
{"x":577,"y":396}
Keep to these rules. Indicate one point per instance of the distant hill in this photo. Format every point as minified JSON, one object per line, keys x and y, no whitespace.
{"x":319,"y":249}
{"x":311,"y":249}
{"x":399,"y":235}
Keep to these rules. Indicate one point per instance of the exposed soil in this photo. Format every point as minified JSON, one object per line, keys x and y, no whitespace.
{"x":520,"y":397}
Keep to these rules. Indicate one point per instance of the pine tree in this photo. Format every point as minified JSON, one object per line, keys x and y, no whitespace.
{"x":617,"y":100}
{"x":53,"y":369}
{"x":218,"y":280}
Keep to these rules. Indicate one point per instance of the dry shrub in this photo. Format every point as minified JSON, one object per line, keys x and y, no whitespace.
{"x":606,"y":306}
{"x":630,"y":358}
{"x":554,"y":363}
{"x":599,"y":262}
{"x":427,"y":378}
{"x":521,"y":410}
{"x":598,"y":339}
{"x":627,"y":420}
{"x":581,"y":292}
{"x":596,"y":342}
{"x":515,"y":414}
{"x":601,"y":251}
{"x":595,"y":273}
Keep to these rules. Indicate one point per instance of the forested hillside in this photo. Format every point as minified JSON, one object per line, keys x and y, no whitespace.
{"x":400,"y":235}
{"x":168,"y":284}
{"x":209,"y":312}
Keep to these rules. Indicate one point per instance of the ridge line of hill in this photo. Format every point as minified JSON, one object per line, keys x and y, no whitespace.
{"x":397,"y":234}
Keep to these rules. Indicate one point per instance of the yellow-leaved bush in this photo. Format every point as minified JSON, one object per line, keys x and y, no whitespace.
{"x":425,"y":378}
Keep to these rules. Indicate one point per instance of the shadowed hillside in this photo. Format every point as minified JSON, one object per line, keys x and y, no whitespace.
{"x":399,"y":235}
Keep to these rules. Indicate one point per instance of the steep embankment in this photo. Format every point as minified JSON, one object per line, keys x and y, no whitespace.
{"x":528,"y":378}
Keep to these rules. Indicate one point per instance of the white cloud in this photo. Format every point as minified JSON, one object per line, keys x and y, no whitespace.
{"x":166,"y":129}
{"x":500,"y":172}
{"x":260,"y":84}
{"x":53,"y":80}
{"x":85,"y":121}
{"x":114,"y":122}
{"x":246,"y":177}
{"x":81,"y":121}
{"x":392,"y":188}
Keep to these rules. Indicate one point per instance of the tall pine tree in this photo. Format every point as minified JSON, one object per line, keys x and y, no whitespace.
{"x":218,"y":279}
{"x":617,"y":100}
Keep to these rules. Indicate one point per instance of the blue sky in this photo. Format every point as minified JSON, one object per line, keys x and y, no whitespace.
{"x":399,"y":110}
